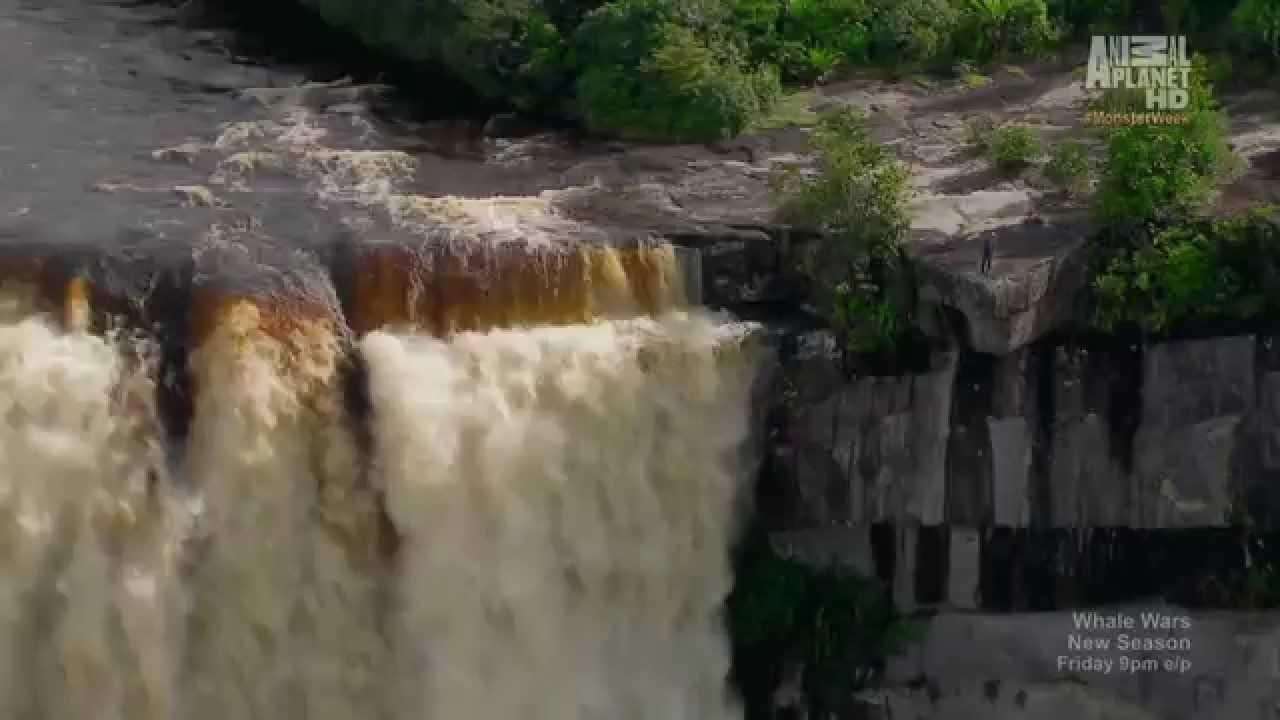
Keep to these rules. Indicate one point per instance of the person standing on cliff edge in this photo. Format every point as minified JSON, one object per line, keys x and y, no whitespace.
{"x":986,"y":255}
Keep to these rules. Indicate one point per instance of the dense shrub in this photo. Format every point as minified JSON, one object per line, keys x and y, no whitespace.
{"x":653,"y":69}
{"x":1068,"y":168}
{"x":1080,"y":18}
{"x":754,"y":26}
{"x":1166,"y":171}
{"x":914,"y":32}
{"x":1257,"y":22}
{"x":1012,"y":147}
{"x":1197,"y":271}
{"x":479,"y":40}
{"x":837,"y":625}
{"x":993,"y":29}
{"x":543,"y":79}
{"x":857,"y":199}
{"x":818,"y":34}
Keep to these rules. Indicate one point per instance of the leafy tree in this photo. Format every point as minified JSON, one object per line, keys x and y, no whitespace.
{"x":755,"y":26}
{"x":566,"y":13}
{"x":468,"y":37}
{"x":991,"y":29}
{"x":839,"y":625}
{"x":819,"y":33}
{"x":544,"y":77}
{"x":1166,"y":171}
{"x":1204,"y":270}
{"x":1258,"y":22}
{"x":858,"y":200}
{"x":914,"y":32}
{"x":653,"y":69}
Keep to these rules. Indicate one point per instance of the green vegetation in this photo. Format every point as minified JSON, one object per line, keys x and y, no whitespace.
{"x":857,"y":200}
{"x":707,"y":69}
{"x":1257,"y":24}
{"x":1261,"y":586}
{"x":1068,"y":168}
{"x":1012,"y":147}
{"x":656,"y":70}
{"x":993,"y":29}
{"x":792,"y":109}
{"x":1196,"y":271}
{"x":703,"y":69}
{"x":835,"y":624}
{"x":1163,"y":172}
{"x":1159,"y":267}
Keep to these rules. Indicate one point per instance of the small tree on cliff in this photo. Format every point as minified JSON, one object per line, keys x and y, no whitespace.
{"x":857,"y":199}
{"x":1165,"y":172}
{"x":1157,"y":266}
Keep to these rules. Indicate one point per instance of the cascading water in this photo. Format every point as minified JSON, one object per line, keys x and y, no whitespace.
{"x":562,"y":499}
{"x":566,"y":497}
{"x":87,"y":549}
{"x":284,"y":621}
{"x":497,"y":480}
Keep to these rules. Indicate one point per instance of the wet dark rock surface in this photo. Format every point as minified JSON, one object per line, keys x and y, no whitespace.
{"x":135,"y":143}
{"x":1076,"y":465}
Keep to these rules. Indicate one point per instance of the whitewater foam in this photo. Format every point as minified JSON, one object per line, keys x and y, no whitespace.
{"x":86,"y":541}
{"x":562,"y":499}
{"x":566,"y":501}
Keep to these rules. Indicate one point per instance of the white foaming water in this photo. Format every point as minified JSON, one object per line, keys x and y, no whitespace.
{"x":284,"y":621}
{"x":86,"y":552}
{"x":565,"y":498}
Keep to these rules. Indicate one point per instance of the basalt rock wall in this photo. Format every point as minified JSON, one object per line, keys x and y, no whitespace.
{"x":1065,"y":473}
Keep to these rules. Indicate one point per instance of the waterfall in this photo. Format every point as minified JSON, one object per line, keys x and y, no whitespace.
{"x":88,"y":538}
{"x":559,"y":499}
{"x":566,"y":498}
{"x":284,"y":588}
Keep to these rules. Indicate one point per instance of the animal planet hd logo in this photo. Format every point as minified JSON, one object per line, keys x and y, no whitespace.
{"x":1156,"y":64}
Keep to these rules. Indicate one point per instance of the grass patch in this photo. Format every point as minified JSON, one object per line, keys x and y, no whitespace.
{"x":924,"y":82}
{"x":793,"y":109}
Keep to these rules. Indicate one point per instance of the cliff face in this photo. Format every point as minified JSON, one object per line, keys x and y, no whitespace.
{"x":1050,"y":442}
{"x":1002,"y":493}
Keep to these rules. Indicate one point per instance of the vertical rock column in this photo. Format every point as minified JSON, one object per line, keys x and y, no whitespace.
{"x":861,"y":453}
{"x":1194,"y":396}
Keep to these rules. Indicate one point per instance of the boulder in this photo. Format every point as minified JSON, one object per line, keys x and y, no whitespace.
{"x":1039,"y":270}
